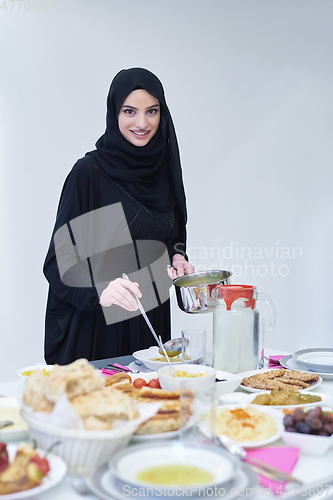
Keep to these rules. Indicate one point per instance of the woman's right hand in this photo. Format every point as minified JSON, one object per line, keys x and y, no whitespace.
{"x":118,"y":292}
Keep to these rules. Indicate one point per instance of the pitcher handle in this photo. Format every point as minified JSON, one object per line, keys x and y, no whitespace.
{"x":272,"y":316}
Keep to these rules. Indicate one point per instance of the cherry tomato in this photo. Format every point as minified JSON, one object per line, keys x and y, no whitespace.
{"x":42,"y":464}
{"x":154,"y":384}
{"x":139,"y":382}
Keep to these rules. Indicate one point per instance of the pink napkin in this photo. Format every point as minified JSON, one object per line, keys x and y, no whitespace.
{"x":274,"y":361}
{"x":283,"y":458}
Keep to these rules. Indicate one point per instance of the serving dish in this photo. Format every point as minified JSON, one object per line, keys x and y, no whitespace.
{"x":265,"y":370}
{"x":246,"y":399}
{"x":57,"y":472}
{"x":145,"y":356}
{"x":308,"y":444}
{"x":39,"y":366}
{"x":106,"y":486}
{"x":11,"y":433}
{"x":170,"y":383}
{"x":293,"y":364}
{"x":226,"y":382}
{"x":194,"y":291}
{"x":128,"y":463}
{"x":82,"y":450}
{"x":277,"y":416}
{"x":320,"y":359}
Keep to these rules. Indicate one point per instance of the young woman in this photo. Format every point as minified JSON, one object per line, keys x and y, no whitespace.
{"x":135,"y":169}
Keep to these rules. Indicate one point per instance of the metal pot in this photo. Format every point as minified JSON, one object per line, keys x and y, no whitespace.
{"x":193,"y":291}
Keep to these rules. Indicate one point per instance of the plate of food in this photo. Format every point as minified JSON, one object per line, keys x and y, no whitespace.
{"x":10,"y":410}
{"x":278,"y":399}
{"x":153,"y":360}
{"x":165,"y":423}
{"x":25,"y":372}
{"x":25,"y":472}
{"x":258,"y":381}
{"x":289,"y":399}
{"x":248,"y":425}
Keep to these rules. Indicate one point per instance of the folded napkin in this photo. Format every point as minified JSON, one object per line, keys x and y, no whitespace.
{"x":274,"y":361}
{"x":280,"y":457}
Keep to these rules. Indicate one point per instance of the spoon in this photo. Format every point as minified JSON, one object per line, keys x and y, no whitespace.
{"x":257,"y":465}
{"x":5,"y":423}
{"x":174,"y":346}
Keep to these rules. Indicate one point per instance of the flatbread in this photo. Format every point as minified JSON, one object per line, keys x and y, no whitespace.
{"x":281,"y":379}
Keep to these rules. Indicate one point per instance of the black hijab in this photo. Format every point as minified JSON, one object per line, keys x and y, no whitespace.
{"x":151,"y":173}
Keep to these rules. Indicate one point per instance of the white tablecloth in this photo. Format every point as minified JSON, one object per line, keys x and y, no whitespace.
{"x":309,"y":469}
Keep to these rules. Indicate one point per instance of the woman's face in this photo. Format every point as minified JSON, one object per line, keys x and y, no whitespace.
{"x":139,"y":117}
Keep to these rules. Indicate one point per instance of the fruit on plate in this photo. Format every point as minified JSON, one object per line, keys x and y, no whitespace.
{"x":315,"y":421}
{"x":4,"y":459}
{"x":280,"y":398}
{"x":25,"y":472}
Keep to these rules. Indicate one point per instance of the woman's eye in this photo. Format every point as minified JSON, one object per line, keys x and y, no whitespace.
{"x":152,"y":111}
{"x":128,"y":111}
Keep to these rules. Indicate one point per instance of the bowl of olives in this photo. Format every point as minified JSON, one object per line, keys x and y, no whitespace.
{"x":309,"y":430}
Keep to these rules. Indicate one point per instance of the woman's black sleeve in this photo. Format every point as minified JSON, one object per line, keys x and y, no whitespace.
{"x":77,"y":198}
{"x":178,"y":242}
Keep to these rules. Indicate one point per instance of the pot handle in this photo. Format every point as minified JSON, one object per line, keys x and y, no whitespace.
{"x":272,"y":316}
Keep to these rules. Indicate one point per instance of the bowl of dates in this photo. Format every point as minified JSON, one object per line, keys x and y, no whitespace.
{"x":311,"y":430}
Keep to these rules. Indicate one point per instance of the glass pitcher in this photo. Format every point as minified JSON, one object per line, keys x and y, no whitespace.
{"x":238,"y":329}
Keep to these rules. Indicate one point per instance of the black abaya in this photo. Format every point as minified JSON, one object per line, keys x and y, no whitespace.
{"x":75,"y":325}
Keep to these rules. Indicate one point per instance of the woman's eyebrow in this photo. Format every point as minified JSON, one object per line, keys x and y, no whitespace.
{"x":132,"y":107}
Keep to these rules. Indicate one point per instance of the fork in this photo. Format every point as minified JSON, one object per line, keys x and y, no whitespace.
{"x":79,"y":485}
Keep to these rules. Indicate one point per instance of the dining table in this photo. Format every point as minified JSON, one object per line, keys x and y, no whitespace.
{"x":309,"y":469}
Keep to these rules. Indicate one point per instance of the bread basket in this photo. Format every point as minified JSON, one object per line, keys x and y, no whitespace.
{"x":82,"y":450}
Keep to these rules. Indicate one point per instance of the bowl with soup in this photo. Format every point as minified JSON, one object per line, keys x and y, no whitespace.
{"x":196,"y":376}
{"x":173,"y":465}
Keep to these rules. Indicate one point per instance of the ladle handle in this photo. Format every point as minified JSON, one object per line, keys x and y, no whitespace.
{"x":125,"y":277}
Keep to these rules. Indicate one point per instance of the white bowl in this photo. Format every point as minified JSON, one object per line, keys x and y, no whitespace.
{"x":32,"y":368}
{"x":171,"y":383}
{"x":126,"y":464}
{"x":228,"y":385}
{"x":308,"y":443}
{"x":10,"y":410}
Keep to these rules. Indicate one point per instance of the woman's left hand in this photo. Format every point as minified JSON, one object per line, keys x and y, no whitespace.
{"x":180,"y":266}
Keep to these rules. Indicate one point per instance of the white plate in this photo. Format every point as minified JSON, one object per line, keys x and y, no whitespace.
{"x":265,"y":370}
{"x":292,"y":364}
{"x":39,"y":366}
{"x":8,"y":433}
{"x":145,"y":376}
{"x":277,"y":416}
{"x":137,"y":365}
{"x":316,"y":358}
{"x":106,"y":487}
{"x":246,"y":399}
{"x":144,"y":438}
{"x":145,"y":356}
{"x":58,"y":470}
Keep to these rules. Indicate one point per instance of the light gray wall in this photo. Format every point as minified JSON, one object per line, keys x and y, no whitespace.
{"x":249,"y":85}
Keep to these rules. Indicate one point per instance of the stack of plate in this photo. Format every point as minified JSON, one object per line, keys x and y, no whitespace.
{"x":229,"y":477}
{"x":318,"y":360}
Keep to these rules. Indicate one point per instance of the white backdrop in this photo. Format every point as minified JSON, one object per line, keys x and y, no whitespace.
{"x":249,"y":84}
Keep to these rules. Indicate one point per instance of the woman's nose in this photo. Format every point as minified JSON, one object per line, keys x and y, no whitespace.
{"x":141,"y":121}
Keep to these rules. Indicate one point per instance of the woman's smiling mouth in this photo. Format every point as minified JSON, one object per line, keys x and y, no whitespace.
{"x":142,"y":134}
